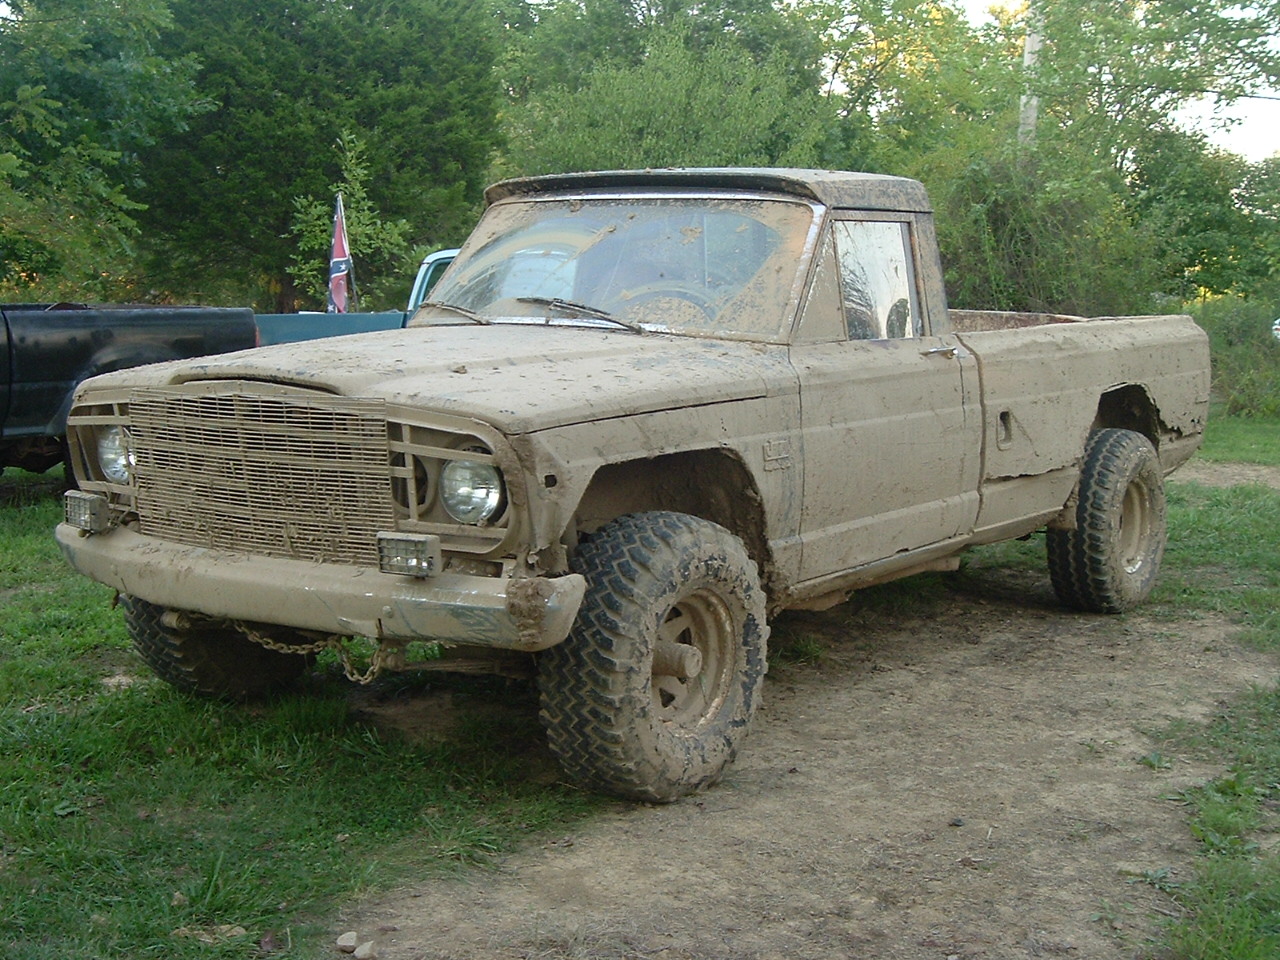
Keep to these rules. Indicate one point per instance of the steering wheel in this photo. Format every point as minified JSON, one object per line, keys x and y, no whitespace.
{"x":700,"y":297}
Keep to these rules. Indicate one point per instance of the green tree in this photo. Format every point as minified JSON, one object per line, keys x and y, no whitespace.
{"x":1113,"y":72}
{"x":910,"y":78}
{"x":1108,"y":205}
{"x":1260,"y":195}
{"x":677,"y":106}
{"x":559,"y":44}
{"x":1044,"y":232}
{"x":82,"y":90}
{"x":375,"y":243}
{"x":284,"y":78}
{"x":1210,"y":237}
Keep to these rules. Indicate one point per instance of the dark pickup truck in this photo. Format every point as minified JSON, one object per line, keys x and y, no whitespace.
{"x":48,"y":349}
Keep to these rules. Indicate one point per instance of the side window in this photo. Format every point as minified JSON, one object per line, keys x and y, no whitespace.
{"x":877,"y":279}
{"x":433,"y":275}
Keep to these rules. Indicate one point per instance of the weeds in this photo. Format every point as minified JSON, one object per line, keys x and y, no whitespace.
{"x":1246,"y":357}
{"x":1160,"y":879}
{"x":795,"y":647}
{"x":1155,"y":760}
{"x":1110,"y":917}
{"x":1224,"y":557}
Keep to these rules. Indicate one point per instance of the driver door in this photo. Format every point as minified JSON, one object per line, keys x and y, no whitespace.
{"x":890,"y":413}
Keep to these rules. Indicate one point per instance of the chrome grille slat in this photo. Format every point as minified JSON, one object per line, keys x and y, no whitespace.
{"x":295,"y":476}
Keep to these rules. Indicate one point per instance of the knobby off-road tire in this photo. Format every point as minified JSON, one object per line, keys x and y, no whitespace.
{"x":210,"y":661}
{"x":1108,"y":564}
{"x":654,"y":689}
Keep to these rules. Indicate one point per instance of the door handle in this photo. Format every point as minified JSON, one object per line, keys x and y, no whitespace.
{"x":947,"y":351}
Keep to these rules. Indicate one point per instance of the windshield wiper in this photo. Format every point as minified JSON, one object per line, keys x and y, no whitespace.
{"x":583,"y":309}
{"x":460,"y":311}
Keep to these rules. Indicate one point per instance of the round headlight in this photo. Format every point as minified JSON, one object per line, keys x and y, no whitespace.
{"x":114,"y":454}
{"x":470,"y":491}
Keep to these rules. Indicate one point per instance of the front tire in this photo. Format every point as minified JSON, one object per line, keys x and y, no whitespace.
{"x":211,"y":661}
{"x":1109,"y":562}
{"x":655,"y":687}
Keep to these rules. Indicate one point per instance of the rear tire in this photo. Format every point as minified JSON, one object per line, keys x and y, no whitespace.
{"x":655,"y":687}
{"x":206,"y":660}
{"x":1109,"y":562}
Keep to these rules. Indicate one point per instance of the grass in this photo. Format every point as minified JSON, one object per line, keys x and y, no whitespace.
{"x":1233,"y":903}
{"x":1240,"y":440}
{"x":138,"y":822}
{"x":1226,"y":557}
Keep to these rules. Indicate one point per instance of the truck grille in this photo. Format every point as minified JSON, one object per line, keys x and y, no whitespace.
{"x":297,"y":476}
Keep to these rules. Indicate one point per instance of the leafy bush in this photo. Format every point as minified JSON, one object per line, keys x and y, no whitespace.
{"x":1026,"y":231}
{"x":1246,"y":356}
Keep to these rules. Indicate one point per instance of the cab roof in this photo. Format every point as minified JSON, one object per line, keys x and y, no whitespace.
{"x":833,"y":188}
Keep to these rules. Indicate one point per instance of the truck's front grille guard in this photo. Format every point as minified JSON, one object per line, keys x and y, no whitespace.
{"x":297,"y":476}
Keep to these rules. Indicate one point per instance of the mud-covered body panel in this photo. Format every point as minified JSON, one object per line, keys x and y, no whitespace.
{"x":519,"y":378}
{"x":1041,"y":387}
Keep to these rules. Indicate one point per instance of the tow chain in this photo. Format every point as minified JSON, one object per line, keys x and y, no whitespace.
{"x":382,"y":657}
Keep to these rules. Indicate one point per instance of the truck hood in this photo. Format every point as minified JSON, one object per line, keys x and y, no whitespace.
{"x":519,"y":378}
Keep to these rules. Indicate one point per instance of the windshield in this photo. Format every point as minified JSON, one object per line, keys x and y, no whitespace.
{"x":711,"y":267}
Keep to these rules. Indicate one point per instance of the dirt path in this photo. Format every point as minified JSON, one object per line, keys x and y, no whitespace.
{"x":1228,"y":474}
{"x":961,"y":780}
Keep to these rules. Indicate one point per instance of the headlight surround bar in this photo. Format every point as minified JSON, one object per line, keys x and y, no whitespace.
{"x":87,"y":426}
{"x":422,"y":451}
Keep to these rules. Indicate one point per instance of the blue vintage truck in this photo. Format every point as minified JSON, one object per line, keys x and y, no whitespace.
{"x":292,"y":327}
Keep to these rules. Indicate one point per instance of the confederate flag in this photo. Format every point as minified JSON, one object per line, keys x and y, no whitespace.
{"x":342,"y":287}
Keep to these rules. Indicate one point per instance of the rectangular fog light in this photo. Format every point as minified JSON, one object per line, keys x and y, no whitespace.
{"x":409,"y":554}
{"x":87,"y":511}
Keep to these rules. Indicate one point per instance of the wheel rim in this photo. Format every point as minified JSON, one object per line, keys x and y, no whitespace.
{"x":1135,"y":527}
{"x":693,"y":660}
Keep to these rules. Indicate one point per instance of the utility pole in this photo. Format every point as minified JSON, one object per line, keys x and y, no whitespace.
{"x":1029,"y":106}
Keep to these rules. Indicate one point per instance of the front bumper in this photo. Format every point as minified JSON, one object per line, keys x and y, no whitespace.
{"x":523,"y":614}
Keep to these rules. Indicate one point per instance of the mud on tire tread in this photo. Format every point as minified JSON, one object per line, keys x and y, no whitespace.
{"x":1109,"y":563}
{"x":210,"y":661}
{"x":599,"y":703}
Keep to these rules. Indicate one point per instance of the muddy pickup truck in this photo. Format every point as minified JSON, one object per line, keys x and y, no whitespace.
{"x":642,"y":412}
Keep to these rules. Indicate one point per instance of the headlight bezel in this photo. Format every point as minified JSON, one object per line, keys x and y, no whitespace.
{"x":432,"y":441}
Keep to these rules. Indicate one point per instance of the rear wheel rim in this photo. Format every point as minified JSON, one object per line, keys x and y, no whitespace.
{"x":1135,"y":527}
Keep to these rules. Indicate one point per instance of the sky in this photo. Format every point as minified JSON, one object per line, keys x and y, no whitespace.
{"x":1255,"y":137}
{"x":1254,"y":134}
